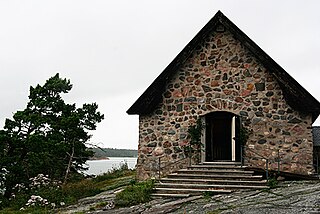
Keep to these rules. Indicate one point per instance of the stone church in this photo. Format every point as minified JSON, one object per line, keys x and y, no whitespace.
{"x":229,"y":83}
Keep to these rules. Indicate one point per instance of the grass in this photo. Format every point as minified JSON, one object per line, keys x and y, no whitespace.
{"x":122,"y":171}
{"x":272,"y":182}
{"x":134,"y":194}
{"x":208,"y":195}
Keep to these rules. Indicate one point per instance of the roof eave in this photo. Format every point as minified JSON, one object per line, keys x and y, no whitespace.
{"x":148,"y":101}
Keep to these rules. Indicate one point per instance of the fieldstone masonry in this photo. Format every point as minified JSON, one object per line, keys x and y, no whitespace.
{"x":222,"y":75}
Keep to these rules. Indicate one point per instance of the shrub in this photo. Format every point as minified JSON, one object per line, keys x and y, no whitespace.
{"x":135,"y":194}
{"x":123,"y":170}
{"x":81,"y":189}
{"x":193,"y":148}
{"x":208,"y":195}
{"x":41,"y":191}
{"x":46,"y":193}
{"x":272,"y":182}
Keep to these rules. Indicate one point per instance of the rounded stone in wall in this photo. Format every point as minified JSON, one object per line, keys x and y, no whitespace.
{"x":158,"y":151}
{"x":259,"y":114}
{"x":152,"y":144}
{"x":244,"y":113}
{"x":260,"y":86}
{"x":171,"y":132}
{"x":167,"y":144}
{"x":262,"y":141}
{"x":167,"y":151}
{"x":177,"y":149}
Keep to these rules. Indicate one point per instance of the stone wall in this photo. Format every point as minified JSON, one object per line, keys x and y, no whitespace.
{"x":221,"y":75}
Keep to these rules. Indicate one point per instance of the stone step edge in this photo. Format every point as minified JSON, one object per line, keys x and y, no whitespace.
{"x":215,"y":171}
{"x":213,"y":186}
{"x":210,"y":180}
{"x":216,"y":176}
{"x":218,"y":166}
{"x":193,"y":190}
{"x":221,"y":163}
{"x":170,"y":195}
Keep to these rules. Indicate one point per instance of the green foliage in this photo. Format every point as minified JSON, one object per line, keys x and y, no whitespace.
{"x":135,"y":194}
{"x":272,"y":182}
{"x":110,"y":152}
{"x":115,"y":178}
{"x":121,"y":171}
{"x":47,"y":137}
{"x":116,"y":182}
{"x":60,"y":194}
{"x":81,"y":189}
{"x":244,"y":135}
{"x":208,"y":195}
{"x":195,"y":133}
{"x":50,"y":195}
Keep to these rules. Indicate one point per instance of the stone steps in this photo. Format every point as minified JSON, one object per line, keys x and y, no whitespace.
{"x":222,"y":163}
{"x":213,"y":181}
{"x":212,"y":177}
{"x":234,"y":177}
{"x":208,"y":166}
{"x":213,"y":171}
{"x":190,"y":191}
{"x":208,"y":186}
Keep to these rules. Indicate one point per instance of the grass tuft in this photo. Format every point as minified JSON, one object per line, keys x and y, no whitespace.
{"x":135,"y":194}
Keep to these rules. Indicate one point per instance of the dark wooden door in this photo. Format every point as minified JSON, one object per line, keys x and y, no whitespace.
{"x":218,"y":137}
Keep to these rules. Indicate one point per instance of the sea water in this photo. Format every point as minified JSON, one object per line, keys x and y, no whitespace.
{"x":97,"y":167}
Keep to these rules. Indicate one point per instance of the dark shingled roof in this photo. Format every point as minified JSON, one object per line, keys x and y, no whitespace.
{"x":296,"y":96}
{"x":316,"y":135}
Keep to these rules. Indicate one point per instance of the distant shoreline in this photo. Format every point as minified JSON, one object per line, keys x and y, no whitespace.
{"x":105,"y":153}
{"x":107,"y":158}
{"x":95,"y":158}
{"x":96,"y":167}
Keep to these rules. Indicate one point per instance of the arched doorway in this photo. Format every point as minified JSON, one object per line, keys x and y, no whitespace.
{"x":221,"y":137}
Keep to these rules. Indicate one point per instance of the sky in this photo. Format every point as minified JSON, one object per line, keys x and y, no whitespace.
{"x":112,"y":50}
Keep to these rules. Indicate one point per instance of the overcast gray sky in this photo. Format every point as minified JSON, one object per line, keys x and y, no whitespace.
{"x":112,"y":50}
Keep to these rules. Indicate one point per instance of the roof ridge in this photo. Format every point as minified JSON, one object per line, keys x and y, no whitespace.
{"x":292,"y":90}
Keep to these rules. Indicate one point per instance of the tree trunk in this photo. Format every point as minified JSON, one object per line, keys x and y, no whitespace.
{"x":69,"y":165}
